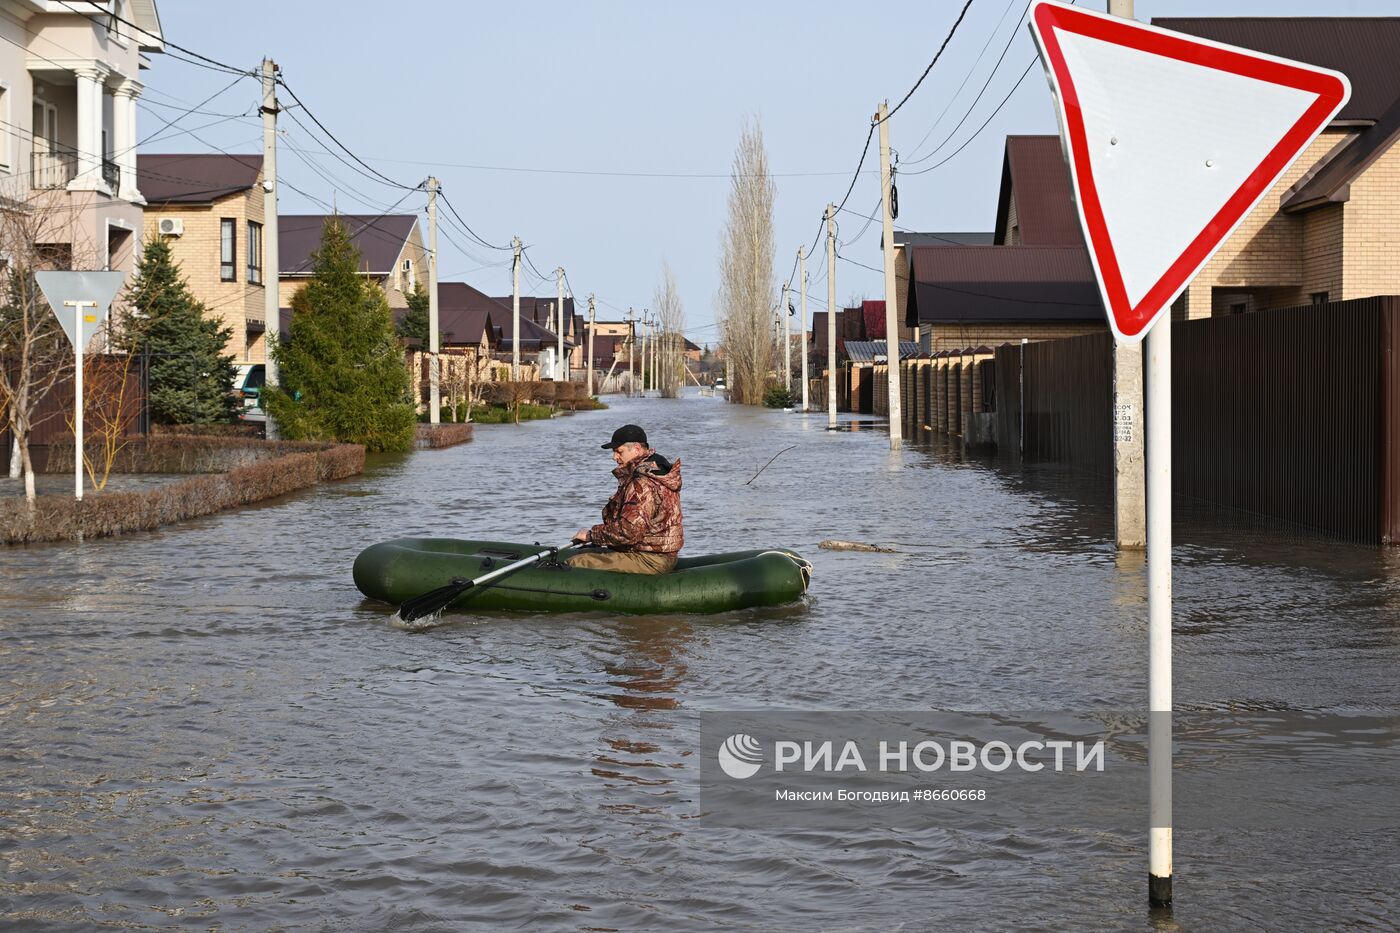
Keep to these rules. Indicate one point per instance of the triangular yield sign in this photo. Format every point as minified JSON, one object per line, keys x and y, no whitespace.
{"x":1171,"y":141}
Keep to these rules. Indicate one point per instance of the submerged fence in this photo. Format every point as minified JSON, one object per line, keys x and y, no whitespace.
{"x":1293,"y":414}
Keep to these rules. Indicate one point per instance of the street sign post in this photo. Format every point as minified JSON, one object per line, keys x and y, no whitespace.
{"x":80,"y":300}
{"x":1171,"y":141}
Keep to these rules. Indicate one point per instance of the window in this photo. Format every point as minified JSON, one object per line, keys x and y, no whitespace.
{"x":406,"y":271}
{"x":255,"y":250}
{"x":228,"y":243}
{"x":1318,"y":298}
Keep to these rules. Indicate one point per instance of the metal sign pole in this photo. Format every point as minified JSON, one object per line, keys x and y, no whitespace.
{"x":1159,"y":610}
{"x":78,"y":307}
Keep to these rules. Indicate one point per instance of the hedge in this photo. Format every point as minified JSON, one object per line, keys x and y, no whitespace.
{"x":231,"y":472}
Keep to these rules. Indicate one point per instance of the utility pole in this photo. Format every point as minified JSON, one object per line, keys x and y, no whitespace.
{"x":515,"y":311}
{"x":559,"y":285}
{"x":272,"y":267}
{"x":802,"y":277}
{"x":631,"y":353}
{"x":434,"y":345}
{"x":646,"y":360}
{"x":787,"y":342}
{"x":592,"y":311}
{"x":831,"y":316}
{"x":891,"y":290}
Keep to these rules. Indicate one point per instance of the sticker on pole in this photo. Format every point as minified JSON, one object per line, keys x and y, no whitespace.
{"x":1171,"y":141}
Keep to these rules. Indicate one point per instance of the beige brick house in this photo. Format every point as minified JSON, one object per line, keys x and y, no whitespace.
{"x":209,"y":209}
{"x":1330,"y":228}
{"x":391,"y":251}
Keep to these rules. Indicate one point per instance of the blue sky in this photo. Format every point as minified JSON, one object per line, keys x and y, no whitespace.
{"x":602,"y":134}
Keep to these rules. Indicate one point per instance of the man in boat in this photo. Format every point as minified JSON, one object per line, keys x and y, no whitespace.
{"x":641,"y":527}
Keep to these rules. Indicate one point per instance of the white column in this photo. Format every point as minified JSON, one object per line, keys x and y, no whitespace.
{"x":124,"y":142}
{"x":89,"y":94}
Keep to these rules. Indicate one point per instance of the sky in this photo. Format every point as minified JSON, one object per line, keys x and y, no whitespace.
{"x":602,"y":134}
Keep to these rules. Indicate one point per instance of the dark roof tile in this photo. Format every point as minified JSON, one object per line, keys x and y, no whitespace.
{"x":194,"y":178}
{"x":1003,"y":283}
{"x":380,"y":239}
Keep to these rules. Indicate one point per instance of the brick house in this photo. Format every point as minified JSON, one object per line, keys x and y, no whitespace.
{"x":1029,"y":279}
{"x":391,"y":252}
{"x":209,"y":209}
{"x":1330,"y":228}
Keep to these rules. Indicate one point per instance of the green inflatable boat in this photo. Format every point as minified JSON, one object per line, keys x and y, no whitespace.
{"x":395,"y":571}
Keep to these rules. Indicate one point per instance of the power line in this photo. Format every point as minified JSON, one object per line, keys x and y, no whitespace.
{"x":300,"y":103}
{"x":978,"y":131}
{"x":209,"y":62}
{"x":453,"y":208}
{"x":970,"y":72}
{"x":948,"y":38}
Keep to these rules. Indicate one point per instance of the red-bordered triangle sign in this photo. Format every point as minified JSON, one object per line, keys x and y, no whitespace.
{"x":1171,"y":141}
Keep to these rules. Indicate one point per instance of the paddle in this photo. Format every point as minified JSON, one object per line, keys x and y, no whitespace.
{"x":434,"y":601}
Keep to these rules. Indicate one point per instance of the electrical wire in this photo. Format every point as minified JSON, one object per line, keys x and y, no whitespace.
{"x":978,"y":131}
{"x":208,"y":62}
{"x":970,"y":72}
{"x":306,"y":110}
{"x":946,"y":39}
{"x":453,"y":208}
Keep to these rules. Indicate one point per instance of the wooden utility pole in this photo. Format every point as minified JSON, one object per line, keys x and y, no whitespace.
{"x":434,"y":346}
{"x":802,"y":279}
{"x":891,"y":292}
{"x":592,"y":311}
{"x":272,"y":266}
{"x":515,"y":311}
{"x":831,"y":316}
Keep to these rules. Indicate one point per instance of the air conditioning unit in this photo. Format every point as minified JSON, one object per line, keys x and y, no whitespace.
{"x":172,"y":226}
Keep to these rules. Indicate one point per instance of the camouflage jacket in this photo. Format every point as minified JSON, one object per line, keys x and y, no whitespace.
{"x":645,"y":512}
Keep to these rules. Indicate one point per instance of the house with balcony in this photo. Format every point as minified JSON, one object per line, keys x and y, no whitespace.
{"x":70,"y":76}
{"x":209,"y":208}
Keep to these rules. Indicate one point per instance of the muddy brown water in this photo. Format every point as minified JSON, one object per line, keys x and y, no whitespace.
{"x":205,"y":726}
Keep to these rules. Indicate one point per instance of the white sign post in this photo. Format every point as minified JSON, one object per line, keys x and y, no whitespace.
{"x":80,"y":301}
{"x":1171,"y":141}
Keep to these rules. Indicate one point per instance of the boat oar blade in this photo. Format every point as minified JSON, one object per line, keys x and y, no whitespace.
{"x":433,"y":601}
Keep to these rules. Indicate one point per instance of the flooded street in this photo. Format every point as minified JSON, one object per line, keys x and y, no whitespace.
{"x":207,"y":726}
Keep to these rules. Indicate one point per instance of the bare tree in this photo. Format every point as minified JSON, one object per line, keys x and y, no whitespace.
{"x":671,"y":339}
{"x":34,"y":353}
{"x":746,"y":269}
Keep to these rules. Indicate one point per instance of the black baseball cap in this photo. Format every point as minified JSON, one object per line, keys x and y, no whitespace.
{"x":627,"y":434}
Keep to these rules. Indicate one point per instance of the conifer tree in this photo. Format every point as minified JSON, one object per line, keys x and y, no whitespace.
{"x":341,"y":367}
{"x":191,"y":377}
{"x":414,"y":323}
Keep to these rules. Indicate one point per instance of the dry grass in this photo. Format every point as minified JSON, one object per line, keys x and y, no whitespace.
{"x":230,"y":472}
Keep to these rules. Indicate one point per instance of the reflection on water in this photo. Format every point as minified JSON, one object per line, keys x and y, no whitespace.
{"x":206,"y":725}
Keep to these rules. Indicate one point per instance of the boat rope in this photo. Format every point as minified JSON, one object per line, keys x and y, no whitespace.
{"x":804,"y":566}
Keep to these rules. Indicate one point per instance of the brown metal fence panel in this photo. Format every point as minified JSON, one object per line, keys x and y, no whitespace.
{"x":1069,"y":402}
{"x":1008,"y":394}
{"x":1390,"y":419}
{"x":102,"y":376}
{"x":1279,"y":413}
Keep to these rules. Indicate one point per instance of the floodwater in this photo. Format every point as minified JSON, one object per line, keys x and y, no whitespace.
{"x":205,"y":726}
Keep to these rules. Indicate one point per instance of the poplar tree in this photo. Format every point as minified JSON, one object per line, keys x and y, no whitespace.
{"x":341,"y":368}
{"x":191,"y":377}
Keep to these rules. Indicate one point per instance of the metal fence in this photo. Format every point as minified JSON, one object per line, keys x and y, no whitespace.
{"x":1292,"y":414}
{"x":106,"y":380}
